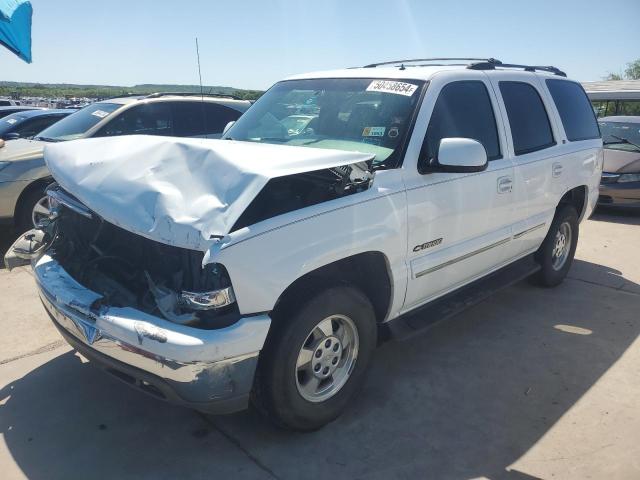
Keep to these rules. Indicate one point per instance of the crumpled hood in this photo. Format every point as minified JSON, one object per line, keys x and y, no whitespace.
{"x":21,"y":149}
{"x":178,"y":191}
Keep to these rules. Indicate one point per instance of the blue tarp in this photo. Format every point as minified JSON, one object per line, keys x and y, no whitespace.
{"x":15,"y":27}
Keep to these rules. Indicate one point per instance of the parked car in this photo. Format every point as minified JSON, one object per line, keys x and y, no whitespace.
{"x":29,"y":123}
{"x":620,"y":185}
{"x":4,"y":111}
{"x":614,"y":97}
{"x":265,"y":265}
{"x":8,"y":102}
{"x":24,"y":176}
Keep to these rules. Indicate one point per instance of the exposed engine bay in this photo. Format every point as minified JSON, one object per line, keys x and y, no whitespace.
{"x":132,"y":271}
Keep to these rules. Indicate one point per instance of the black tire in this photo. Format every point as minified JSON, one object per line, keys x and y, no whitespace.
{"x":23,"y":220}
{"x":551,"y":275}
{"x":276,"y":392}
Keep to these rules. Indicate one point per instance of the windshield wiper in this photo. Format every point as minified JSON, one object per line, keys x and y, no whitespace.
{"x":621,"y":140}
{"x":47,"y":139}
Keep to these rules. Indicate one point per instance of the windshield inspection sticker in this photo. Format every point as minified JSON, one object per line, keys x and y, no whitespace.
{"x":387,"y":86}
{"x":11,"y":121}
{"x":100,"y":113}
{"x":373,"y":131}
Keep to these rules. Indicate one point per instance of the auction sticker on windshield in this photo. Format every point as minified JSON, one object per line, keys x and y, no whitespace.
{"x":388,"y":86}
{"x":100,"y":113}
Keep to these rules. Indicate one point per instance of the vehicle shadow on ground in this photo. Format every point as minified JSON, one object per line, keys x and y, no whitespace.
{"x":616,"y":215}
{"x":467,"y":399}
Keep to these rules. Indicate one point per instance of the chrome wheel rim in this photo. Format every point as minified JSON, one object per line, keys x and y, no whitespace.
{"x":561,"y":246}
{"x":40,"y":211}
{"x":327,"y":358}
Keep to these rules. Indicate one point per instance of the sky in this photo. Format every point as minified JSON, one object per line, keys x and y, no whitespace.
{"x":252,"y":44}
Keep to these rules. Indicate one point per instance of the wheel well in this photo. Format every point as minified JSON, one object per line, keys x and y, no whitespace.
{"x":39,"y":184}
{"x":367,"y":271}
{"x":577,"y":198}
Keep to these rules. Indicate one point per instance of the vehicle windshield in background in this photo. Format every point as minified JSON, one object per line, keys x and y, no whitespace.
{"x":614,"y":134}
{"x":75,"y":125}
{"x":9,"y":122}
{"x":363,"y":115}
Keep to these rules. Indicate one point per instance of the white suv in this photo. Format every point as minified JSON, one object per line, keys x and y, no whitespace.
{"x":267,"y":265}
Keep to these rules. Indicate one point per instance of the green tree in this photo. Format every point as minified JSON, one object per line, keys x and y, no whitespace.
{"x":613,"y":76}
{"x":632,"y":72}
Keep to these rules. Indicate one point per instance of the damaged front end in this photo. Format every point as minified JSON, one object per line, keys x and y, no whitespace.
{"x":129,"y":270}
{"x":150,"y":314}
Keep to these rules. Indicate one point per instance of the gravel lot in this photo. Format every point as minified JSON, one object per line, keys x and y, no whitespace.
{"x":532,"y":383}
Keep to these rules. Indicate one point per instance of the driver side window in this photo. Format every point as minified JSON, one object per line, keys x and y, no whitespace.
{"x":150,"y":119}
{"x":463,"y":109}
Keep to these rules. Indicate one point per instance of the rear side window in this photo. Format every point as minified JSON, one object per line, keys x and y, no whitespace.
{"x":463,"y":109}
{"x":575,"y":110}
{"x":530,"y":126}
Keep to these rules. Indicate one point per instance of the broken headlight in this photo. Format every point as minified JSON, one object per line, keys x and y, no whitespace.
{"x":208,"y":300}
{"x":211,"y":290}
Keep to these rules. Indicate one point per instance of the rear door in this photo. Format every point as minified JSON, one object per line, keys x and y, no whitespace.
{"x":533,"y":138}
{"x":459,"y":223}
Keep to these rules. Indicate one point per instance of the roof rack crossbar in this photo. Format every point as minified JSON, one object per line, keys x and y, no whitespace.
{"x":413,"y":60}
{"x":491,"y":64}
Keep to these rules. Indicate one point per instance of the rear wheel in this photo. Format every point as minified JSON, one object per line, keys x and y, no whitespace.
{"x":315,"y":359}
{"x":555,"y":255}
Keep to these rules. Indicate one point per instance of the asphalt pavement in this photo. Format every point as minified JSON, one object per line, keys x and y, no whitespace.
{"x":531,"y":383}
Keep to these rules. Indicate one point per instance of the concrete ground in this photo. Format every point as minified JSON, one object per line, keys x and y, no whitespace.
{"x":532,"y":383}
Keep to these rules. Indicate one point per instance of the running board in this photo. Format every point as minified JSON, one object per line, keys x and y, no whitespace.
{"x":419,"y":320}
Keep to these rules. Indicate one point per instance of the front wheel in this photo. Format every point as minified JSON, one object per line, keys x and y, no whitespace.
{"x":555,"y":255}
{"x":33,"y":209}
{"x":315,"y":359}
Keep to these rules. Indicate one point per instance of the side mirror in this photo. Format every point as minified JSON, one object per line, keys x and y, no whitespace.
{"x":228,"y":126}
{"x":460,"y":155}
{"x":11,"y":136}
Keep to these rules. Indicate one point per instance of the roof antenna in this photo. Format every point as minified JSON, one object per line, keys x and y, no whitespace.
{"x":204,"y":120}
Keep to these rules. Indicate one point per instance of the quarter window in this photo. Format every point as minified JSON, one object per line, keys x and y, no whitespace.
{"x":463,"y":109}
{"x":530,"y":126}
{"x":575,"y":111}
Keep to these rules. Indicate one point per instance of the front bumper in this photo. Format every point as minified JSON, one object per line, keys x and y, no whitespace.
{"x":208,"y":370}
{"x":625,"y":194}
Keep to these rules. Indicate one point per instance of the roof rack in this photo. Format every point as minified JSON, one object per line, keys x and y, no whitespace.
{"x":473,"y":64}
{"x":492,"y":63}
{"x":125,"y":95}
{"x":414,"y":60}
{"x":192,"y":94}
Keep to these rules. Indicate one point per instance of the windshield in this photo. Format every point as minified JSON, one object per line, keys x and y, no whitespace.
{"x":76,"y":125}
{"x":364,"y":115}
{"x":626,"y":130}
{"x":9,"y":122}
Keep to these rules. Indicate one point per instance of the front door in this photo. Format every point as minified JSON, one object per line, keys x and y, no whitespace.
{"x":459,"y":224}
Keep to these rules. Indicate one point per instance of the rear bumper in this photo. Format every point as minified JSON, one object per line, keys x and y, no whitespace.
{"x":208,"y":370}
{"x":620,"y":194}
